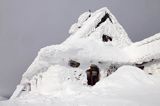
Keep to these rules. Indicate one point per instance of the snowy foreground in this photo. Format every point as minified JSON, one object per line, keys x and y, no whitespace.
{"x":128,"y":86}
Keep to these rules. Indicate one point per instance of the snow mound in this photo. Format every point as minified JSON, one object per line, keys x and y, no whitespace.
{"x":56,"y":81}
{"x":128,"y":76}
{"x":127,"y":86}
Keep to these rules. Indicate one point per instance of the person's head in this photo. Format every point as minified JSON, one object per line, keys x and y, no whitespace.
{"x":93,"y":66}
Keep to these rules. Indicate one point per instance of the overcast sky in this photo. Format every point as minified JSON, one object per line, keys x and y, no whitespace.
{"x":28,"y":25}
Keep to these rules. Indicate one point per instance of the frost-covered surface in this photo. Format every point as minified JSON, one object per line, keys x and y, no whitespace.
{"x":127,"y":86}
{"x":85,"y":45}
{"x":87,"y":28}
{"x":81,"y":51}
{"x":97,"y":38}
{"x":145,"y":50}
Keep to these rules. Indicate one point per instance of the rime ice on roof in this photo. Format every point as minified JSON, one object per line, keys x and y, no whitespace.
{"x":145,"y":50}
{"x":97,"y":38}
{"x":94,"y":25}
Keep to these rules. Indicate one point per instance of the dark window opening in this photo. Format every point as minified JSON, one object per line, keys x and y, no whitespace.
{"x":106,"y":38}
{"x":92,"y":75}
{"x":104,"y":18}
{"x":100,"y":62}
{"x":140,"y":66}
{"x":74,"y":64}
{"x":27,"y":87}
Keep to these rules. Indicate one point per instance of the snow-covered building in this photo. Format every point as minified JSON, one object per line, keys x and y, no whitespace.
{"x":146,"y":53}
{"x":97,"y":39}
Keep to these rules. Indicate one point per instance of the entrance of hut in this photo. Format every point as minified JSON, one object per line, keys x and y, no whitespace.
{"x":92,"y":75}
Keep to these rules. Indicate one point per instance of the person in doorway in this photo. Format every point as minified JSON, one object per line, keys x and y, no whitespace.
{"x":92,"y":75}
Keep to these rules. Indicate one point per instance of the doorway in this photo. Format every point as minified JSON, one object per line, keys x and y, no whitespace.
{"x":92,"y":75}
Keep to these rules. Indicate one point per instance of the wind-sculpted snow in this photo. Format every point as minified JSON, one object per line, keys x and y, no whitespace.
{"x":59,"y":74}
{"x":80,"y":50}
{"x":127,"y":86}
{"x":88,"y":29}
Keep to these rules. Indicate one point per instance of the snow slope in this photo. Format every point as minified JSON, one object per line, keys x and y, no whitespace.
{"x":127,"y":86}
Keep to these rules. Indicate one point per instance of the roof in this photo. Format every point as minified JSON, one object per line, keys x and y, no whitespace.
{"x":145,"y":50}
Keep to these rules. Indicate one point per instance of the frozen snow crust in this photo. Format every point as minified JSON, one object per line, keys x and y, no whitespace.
{"x":127,"y":86}
{"x":97,"y":38}
{"x":145,"y":50}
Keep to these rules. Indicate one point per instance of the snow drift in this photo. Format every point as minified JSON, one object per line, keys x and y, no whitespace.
{"x":127,"y":86}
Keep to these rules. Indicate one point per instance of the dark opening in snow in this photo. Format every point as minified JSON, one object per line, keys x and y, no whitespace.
{"x":106,"y":38}
{"x":140,"y":66}
{"x":73,"y":63}
{"x":88,"y":17}
{"x":109,"y":18}
{"x":27,"y":87}
{"x":112,"y":68}
{"x":92,"y":75}
{"x":104,"y":18}
{"x":100,"y":62}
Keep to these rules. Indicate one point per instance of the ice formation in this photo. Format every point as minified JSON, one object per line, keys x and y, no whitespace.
{"x":96,"y":39}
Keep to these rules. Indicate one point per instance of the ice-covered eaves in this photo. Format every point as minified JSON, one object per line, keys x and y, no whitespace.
{"x":87,"y":27}
{"x":148,"y":40}
{"x":82,"y":50}
{"x":91,"y":49}
{"x":101,"y":19}
{"x":84,"y":17}
{"x":145,"y":50}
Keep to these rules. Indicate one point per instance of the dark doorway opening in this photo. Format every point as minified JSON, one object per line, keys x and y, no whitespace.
{"x":92,"y":75}
{"x":106,"y":38}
